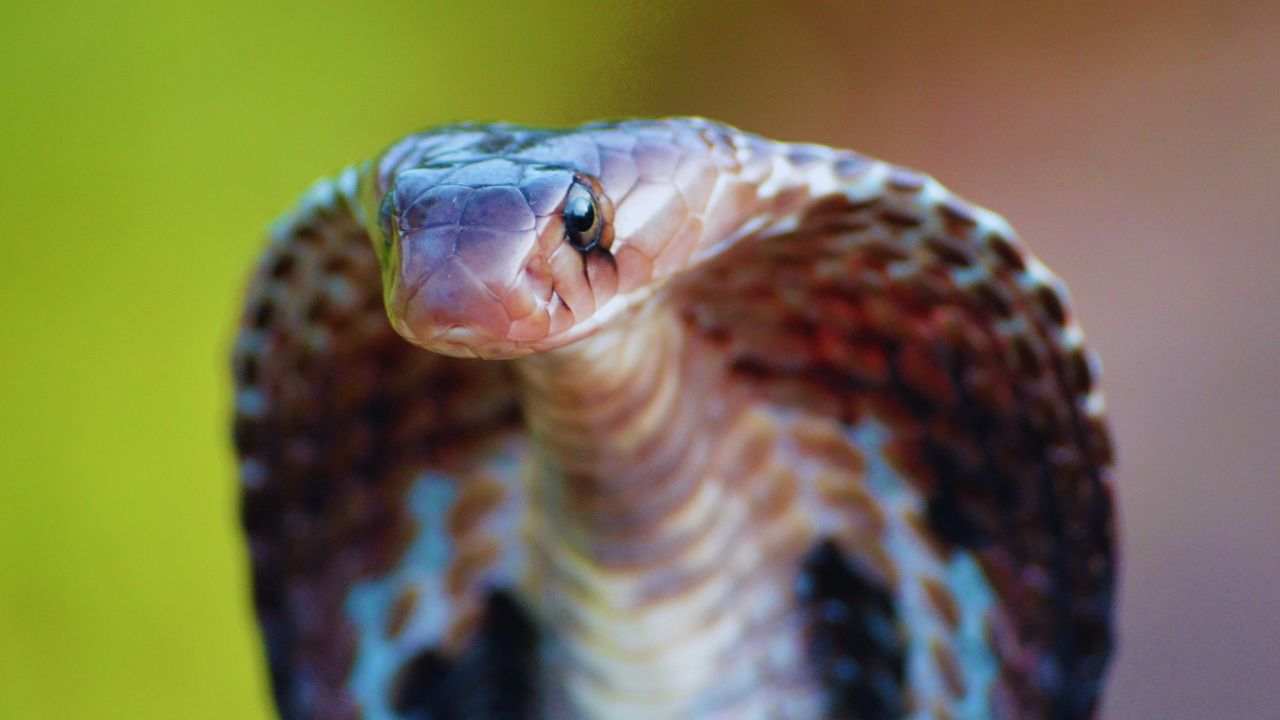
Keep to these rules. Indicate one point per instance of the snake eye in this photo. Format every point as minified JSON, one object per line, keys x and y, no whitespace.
{"x":582,"y":223}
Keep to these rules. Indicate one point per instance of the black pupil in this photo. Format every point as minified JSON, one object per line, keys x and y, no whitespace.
{"x":579,"y":217}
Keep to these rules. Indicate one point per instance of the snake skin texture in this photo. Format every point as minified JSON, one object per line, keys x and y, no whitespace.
{"x":661,"y":419}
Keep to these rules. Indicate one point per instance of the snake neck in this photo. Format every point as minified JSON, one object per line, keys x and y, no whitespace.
{"x":623,"y":421}
{"x":646,"y":541}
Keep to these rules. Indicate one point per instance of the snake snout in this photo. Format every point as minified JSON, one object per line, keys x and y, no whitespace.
{"x":461,"y":250}
{"x":442,"y":302}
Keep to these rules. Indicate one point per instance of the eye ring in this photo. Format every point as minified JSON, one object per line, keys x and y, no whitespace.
{"x":583,"y":223}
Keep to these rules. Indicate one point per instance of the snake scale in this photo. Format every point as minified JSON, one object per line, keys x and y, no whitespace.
{"x":662,"y":419}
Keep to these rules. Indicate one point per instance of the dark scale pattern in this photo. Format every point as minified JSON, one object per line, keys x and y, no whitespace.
{"x":855,"y":642}
{"x":493,"y":679}
{"x":988,"y":424}
{"x":335,"y":414}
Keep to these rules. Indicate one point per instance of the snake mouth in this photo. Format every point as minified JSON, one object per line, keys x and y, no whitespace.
{"x":465,"y":342}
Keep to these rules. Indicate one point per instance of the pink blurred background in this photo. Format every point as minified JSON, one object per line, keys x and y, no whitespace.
{"x":1136,"y":147}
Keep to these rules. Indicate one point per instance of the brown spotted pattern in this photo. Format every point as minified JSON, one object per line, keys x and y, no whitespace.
{"x":926,"y":323}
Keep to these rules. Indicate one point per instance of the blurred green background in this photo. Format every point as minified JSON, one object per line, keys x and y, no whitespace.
{"x":145,"y":145}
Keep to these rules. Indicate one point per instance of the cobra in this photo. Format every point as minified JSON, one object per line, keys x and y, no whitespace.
{"x":662,"y":419}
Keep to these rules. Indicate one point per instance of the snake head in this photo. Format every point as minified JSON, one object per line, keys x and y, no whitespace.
{"x":494,"y":242}
{"x":497,"y":241}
